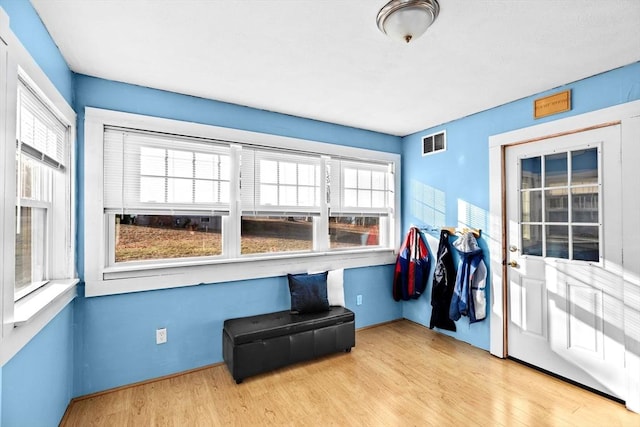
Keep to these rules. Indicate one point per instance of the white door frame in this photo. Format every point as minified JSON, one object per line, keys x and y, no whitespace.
{"x":628,"y":116}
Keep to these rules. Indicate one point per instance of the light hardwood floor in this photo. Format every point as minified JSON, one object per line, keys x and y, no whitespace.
{"x":399,"y":374}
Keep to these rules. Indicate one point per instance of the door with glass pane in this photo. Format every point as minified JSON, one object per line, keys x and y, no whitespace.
{"x":564,"y":261}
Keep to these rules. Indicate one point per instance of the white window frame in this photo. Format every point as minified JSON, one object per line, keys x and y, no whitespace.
{"x":102,"y":279}
{"x":23,"y":319}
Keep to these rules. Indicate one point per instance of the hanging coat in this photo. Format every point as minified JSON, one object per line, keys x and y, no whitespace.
{"x":444,"y":279}
{"x":412,"y":267}
{"x":469,"y":297}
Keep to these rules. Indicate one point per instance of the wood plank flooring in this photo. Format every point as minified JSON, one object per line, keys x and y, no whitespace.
{"x":399,"y":374}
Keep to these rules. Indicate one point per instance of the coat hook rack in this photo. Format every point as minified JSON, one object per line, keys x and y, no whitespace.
{"x":477,"y":233}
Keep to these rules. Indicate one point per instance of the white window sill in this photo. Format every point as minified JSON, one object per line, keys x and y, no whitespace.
{"x":125,"y":280}
{"x":27,"y":308}
{"x":135,"y":269}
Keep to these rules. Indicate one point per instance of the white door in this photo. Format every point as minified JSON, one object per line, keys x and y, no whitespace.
{"x":565,"y":302}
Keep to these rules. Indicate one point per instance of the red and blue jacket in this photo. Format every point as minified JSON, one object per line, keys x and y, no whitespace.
{"x":412,"y":267}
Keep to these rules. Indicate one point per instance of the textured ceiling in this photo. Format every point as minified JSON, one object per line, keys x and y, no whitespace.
{"x":326,"y":59}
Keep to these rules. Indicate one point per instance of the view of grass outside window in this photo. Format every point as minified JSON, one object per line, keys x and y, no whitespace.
{"x":276,"y":234}
{"x":153,"y":237}
{"x":353,"y":231}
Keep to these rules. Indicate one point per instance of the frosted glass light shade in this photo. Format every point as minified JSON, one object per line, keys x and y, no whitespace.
{"x":406,"y":20}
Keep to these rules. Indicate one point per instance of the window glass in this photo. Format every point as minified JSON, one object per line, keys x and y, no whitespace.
{"x":586,"y":243}
{"x":557,"y":205}
{"x":378,"y":180}
{"x":532,"y":240}
{"x":353,"y":231}
{"x":271,"y":234}
{"x":36,"y":179}
{"x":364,"y":178}
{"x":567,"y":203}
{"x":350,"y":178}
{"x":531,"y":206}
{"x":30,"y":247}
{"x":152,"y":190}
{"x":557,"y":241}
{"x":152,"y":161}
{"x":555,"y":169}
{"x":531,"y":174}
{"x":288,"y":173}
{"x":179,"y":190}
{"x":180,"y":163}
{"x":154,"y":237}
{"x":584,"y":166}
{"x":378,"y":199}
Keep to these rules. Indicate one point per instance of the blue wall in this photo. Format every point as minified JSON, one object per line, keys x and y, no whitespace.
{"x":116,"y":334}
{"x":125,"y":351}
{"x":452,"y":187}
{"x":37,"y":383}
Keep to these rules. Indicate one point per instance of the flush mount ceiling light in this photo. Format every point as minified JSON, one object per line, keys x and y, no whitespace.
{"x":407,"y":19}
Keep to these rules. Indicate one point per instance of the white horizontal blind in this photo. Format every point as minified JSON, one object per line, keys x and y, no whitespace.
{"x":151,"y":173}
{"x":279,"y":183}
{"x":360,"y":188}
{"x":41,"y":134}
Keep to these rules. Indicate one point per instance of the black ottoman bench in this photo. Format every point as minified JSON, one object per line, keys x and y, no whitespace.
{"x":257,"y":344}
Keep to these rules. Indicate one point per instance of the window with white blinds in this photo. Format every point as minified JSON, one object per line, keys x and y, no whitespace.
{"x":360,"y":188}
{"x":146,"y":172}
{"x":40,"y":134}
{"x":188,"y":201}
{"x":42,"y":191}
{"x":280,"y":183}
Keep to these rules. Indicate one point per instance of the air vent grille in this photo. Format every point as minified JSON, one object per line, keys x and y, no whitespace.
{"x":434,"y":143}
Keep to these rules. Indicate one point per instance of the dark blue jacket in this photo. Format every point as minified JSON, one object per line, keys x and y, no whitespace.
{"x":469,"y":298}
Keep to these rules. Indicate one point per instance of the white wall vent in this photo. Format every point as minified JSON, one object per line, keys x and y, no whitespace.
{"x":434,"y":143}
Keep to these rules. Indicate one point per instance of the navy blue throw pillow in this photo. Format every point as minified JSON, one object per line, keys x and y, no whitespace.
{"x":308,"y":292}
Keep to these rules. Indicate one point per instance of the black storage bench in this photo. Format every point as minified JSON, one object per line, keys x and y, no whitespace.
{"x":257,"y":344}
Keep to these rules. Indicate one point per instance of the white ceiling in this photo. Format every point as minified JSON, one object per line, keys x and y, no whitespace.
{"x":327,"y":60}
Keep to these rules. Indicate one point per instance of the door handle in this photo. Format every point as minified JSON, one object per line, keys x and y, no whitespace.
{"x":513,"y":263}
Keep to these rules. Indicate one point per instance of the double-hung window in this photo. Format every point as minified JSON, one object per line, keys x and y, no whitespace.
{"x":164,"y":195}
{"x":42,"y":240}
{"x":171,"y":203}
{"x":362,"y":200}
{"x":37,"y":241}
{"x":280,"y":200}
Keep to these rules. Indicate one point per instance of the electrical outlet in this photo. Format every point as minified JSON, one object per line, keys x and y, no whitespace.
{"x":359,"y":300}
{"x":161,"y":335}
